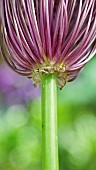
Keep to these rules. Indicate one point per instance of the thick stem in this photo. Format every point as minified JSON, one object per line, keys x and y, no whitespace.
{"x":49,"y":123}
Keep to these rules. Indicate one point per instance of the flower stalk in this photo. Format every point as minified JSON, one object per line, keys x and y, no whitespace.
{"x":49,"y":123}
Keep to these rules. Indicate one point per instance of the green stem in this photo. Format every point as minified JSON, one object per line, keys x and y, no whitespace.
{"x":49,"y":123}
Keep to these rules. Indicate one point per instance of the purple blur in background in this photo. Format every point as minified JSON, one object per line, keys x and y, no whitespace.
{"x":15,"y":89}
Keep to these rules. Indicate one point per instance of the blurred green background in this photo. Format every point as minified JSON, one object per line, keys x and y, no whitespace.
{"x":20,"y":123}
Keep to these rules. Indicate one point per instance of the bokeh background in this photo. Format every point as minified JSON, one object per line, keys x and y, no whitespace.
{"x":20,"y":122}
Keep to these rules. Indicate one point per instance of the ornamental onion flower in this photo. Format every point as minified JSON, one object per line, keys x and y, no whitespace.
{"x":49,"y":36}
{"x":49,"y":41}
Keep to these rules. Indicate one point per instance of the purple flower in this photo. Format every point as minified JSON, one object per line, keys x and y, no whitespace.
{"x":15,"y":90}
{"x":48,"y":36}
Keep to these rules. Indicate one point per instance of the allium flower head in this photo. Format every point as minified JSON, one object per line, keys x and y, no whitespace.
{"x":48,"y":36}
